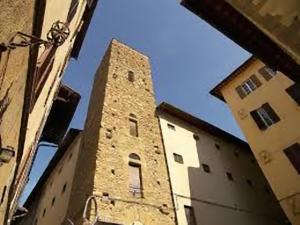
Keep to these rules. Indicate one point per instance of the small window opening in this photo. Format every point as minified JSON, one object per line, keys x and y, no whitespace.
{"x":206,"y":168}
{"x":171,"y":127}
{"x":178,"y":158}
{"x":131,"y":76}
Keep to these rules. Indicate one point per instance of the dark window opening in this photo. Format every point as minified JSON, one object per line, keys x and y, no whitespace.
{"x":294,"y":92}
{"x":206,"y":168}
{"x":133,"y":128}
{"x":64,"y":188}
{"x":267,"y":73}
{"x":229,"y":176}
{"x":218,"y":146}
{"x":134,"y":156}
{"x":131,"y":76}
{"x":72,"y":10}
{"x":171,"y":127}
{"x":53,"y":201}
{"x":249,"y":182}
{"x":178,"y":158}
{"x":190,"y":215}
{"x":44,"y":212}
{"x":265,"y":116}
{"x":196,"y":137}
{"x":293,"y":154}
{"x":236,"y":154}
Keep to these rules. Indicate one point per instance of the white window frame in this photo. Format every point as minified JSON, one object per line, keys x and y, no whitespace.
{"x":248,"y":86}
{"x":265,"y":117}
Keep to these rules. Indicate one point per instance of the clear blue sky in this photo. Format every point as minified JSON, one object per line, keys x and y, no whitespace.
{"x":188,"y":58}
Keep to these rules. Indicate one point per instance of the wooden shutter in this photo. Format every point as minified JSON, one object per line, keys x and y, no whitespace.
{"x":294,"y":92}
{"x":293,"y":154}
{"x":259,"y":122}
{"x":240,"y":92}
{"x":265,"y":73}
{"x":255,"y":80}
{"x":135,"y":178}
{"x":271,"y":112}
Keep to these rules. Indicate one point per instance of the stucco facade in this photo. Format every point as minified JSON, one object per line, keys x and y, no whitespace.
{"x":269,"y":144}
{"x":232,"y":189}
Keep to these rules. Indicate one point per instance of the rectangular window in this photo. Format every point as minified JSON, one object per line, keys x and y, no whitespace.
{"x":131,"y":76}
{"x":171,"y":127}
{"x":267,"y":73}
{"x":133,"y":128}
{"x":190,"y":215}
{"x":206,"y":168}
{"x":135,"y":184}
{"x":229,"y":176}
{"x":265,"y":116}
{"x":178,"y":158}
{"x":248,"y":86}
{"x":293,"y":154}
{"x":294,"y":92}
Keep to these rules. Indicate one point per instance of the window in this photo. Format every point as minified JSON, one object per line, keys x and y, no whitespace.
{"x":53,"y":201}
{"x":264,"y":116}
{"x":294,"y":92}
{"x":293,"y":154}
{"x":64,"y":188}
{"x":171,"y":127}
{"x":249,"y":182}
{"x":236,"y":154}
{"x":196,"y":137}
{"x":3,"y":195}
{"x":218,"y":146}
{"x":267,"y":73}
{"x":135,"y":177}
{"x":190,"y":215}
{"x":43,"y":68}
{"x":206,"y":168}
{"x":72,"y":10}
{"x":133,"y":128}
{"x":178,"y":158}
{"x":229,"y":176}
{"x":131,"y":76}
{"x":44,"y":212}
{"x":248,"y":86}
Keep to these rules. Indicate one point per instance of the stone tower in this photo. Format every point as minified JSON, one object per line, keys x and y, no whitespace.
{"x":122,"y":164}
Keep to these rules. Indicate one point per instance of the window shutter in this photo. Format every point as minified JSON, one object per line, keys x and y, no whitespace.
{"x":293,"y":154}
{"x":261,"y":125}
{"x":271,"y":112}
{"x":240,"y":92}
{"x":255,"y":80}
{"x":294,"y":92}
{"x":265,"y":73}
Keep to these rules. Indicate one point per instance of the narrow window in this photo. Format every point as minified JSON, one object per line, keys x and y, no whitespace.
{"x":178,"y":158}
{"x":229,"y":176}
{"x":248,"y":86}
{"x":64,"y":188}
{"x":133,"y":128}
{"x":293,"y":154}
{"x":171,"y":126}
{"x":72,"y":10}
{"x":206,"y":168}
{"x":218,"y":146}
{"x":267,"y":73}
{"x":249,"y":182}
{"x":190,"y":215}
{"x":131,"y":76}
{"x":3,"y":195}
{"x":44,"y":212}
{"x":196,"y":137}
{"x":135,"y":179}
{"x":294,"y":92}
{"x":53,"y":201}
{"x":264,"y":116}
{"x":236,"y":154}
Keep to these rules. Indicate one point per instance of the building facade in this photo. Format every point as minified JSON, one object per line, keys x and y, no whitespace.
{"x":262,"y":27}
{"x":37,"y":40}
{"x":265,"y":103}
{"x":214,"y":175}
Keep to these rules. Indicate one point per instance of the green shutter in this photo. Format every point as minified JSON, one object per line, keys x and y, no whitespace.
{"x":255,"y":80}
{"x":261,"y":125}
{"x":265,"y":73}
{"x":240,"y":92}
{"x":271,"y":112}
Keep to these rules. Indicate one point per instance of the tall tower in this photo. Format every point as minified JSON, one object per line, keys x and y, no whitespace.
{"x":122,"y":163}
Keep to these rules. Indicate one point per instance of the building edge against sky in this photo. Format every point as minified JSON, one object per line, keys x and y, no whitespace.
{"x":265,"y":104}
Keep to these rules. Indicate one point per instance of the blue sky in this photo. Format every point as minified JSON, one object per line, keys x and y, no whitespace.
{"x":188,"y":59}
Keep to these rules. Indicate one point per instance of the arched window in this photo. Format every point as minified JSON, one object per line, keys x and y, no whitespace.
{"x":133,"y":125}
{"x":135,"y":175}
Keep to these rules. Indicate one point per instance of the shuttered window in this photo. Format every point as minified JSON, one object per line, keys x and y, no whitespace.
{"x":293,"y":154}
{"x":190,"y":215}
{"x":133,"y":127}
{"x":43,"y":68}
{"x":294,"y":92}
{"x":264,"y":116}
{"x":72,"y":10}
{"x":248,"y":86}
{"x":267,"y":73}
{"x":135,"y":179}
